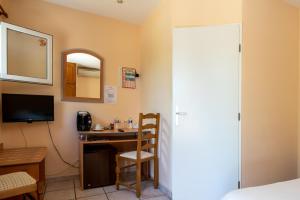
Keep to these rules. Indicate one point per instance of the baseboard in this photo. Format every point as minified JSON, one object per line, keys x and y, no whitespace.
{"x":61,"y":178}
{"x":63,"y":173}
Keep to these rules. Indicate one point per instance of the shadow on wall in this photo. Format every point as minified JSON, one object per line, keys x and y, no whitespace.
{"x":165,"y":152}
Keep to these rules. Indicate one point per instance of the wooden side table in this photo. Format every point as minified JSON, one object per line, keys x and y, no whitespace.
{"x":30,"y":160}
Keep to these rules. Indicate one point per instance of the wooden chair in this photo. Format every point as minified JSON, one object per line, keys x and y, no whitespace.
{"x":147,"y":140}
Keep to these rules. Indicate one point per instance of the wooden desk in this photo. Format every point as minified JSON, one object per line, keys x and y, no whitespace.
{"x":122,"y":141}
{"x":111,"y":134}
{"x":30,"y":160}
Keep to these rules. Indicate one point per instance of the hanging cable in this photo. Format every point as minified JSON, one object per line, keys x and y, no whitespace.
{"x":24,"y":137}
{"x":56,"y":149}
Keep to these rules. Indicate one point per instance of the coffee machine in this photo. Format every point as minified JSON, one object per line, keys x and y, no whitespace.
{"x":84,"y":121}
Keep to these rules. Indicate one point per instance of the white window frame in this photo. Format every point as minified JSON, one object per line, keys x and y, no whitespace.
{"x":3,"y":52}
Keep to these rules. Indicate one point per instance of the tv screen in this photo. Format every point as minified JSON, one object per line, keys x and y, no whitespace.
{"x":27,"y":108}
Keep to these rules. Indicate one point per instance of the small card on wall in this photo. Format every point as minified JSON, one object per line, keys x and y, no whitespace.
{"x":110,"y":94}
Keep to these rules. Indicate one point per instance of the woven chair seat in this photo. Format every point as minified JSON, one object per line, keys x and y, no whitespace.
{"x":132,"y":155}
{"x":15,"y":184}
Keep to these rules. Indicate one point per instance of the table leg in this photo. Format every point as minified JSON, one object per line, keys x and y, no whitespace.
{"x":42,"y":180}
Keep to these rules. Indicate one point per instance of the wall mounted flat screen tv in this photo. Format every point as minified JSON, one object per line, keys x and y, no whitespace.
{"x":27,"y":108}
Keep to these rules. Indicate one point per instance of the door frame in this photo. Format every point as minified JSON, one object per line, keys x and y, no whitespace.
{"x":173,"y":118}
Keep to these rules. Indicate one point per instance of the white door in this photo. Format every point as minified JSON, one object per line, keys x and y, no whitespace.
{"x":206,"y":65}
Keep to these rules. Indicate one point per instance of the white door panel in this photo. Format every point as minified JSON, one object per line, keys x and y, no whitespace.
{"x":206,"y":97}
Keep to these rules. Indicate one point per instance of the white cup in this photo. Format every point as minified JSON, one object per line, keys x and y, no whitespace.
{"x":98,"y":127}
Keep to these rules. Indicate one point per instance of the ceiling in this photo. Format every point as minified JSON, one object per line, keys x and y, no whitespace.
{"x":133,"y":11}
{"x":294,"y":2}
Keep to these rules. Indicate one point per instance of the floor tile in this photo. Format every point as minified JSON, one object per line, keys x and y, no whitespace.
{"x":77,"y":182}
{"x":59,"y":179}
{"x":60,"y":195}
{"x":112,"y":188}
{"x":59,"y":185}
{"x":149,"y":191}
{"x":159,"y":198}
{"x":97,"y":197}
{"x":90,"y":192}
{"x":122,"y":195}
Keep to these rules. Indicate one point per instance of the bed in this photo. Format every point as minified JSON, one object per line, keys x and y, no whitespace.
{"x":289,"y":190}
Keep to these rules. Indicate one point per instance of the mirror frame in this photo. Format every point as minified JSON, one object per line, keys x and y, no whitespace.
{"x":82,"y":99}
{"x":3,"y":52}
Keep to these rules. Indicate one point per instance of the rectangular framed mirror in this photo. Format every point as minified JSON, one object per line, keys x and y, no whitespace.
{"x":26,"y":55}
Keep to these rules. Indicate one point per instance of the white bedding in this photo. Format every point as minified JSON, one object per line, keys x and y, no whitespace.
{"x":289,"y":190}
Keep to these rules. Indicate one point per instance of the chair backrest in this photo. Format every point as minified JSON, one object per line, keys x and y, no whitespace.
{"x":148,"y":133}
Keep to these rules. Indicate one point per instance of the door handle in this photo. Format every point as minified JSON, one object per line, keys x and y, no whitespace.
{"x":177,"y":117}
{"x":181,"y":113}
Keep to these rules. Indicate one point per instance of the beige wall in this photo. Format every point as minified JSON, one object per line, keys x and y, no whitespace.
{"x":156,"y":80}
{"x":117,"y":42}
{"x":206,"y":12}
{"x":88,"y":87}
{"x":25,"y":50}
{"x":269,"y":106}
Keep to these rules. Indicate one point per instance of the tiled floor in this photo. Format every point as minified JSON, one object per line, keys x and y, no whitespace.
{"x":68,"y":189}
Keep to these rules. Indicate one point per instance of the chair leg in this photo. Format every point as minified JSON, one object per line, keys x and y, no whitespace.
{"x":117,"y":172}
{"x":156,"y":173}
{"x":37,"y":195}
{"x":138,"y":179}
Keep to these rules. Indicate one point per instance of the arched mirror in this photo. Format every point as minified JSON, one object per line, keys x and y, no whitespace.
{"x":82,"y":76}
